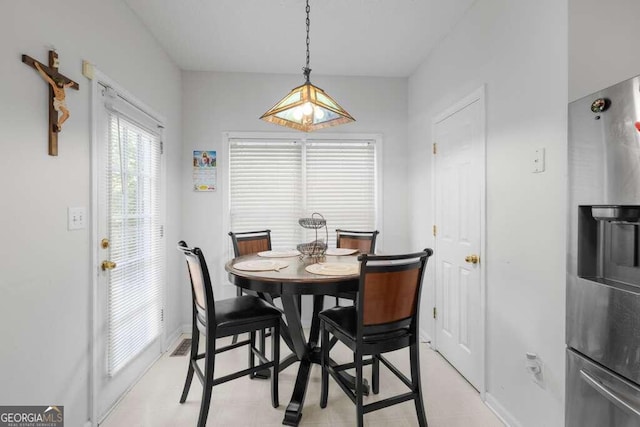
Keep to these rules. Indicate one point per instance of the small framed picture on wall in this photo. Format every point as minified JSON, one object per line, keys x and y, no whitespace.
{"x":204,"y":170}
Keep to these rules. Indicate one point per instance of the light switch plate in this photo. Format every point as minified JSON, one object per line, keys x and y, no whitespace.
{"x":77,"y":218}
{"x":538,"y":161}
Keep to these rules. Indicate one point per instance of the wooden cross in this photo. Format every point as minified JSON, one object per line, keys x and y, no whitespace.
{"x":57,"y":84}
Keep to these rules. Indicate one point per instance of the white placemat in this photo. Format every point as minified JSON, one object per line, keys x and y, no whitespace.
{"x":340,"y":251}
{"x":333,"y":269}
{"x":260,"y":265}
{"x":279,"y":254}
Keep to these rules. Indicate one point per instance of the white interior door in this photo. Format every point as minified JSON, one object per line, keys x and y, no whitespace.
{"x":130,"y":247}
{"x":459,"y":178}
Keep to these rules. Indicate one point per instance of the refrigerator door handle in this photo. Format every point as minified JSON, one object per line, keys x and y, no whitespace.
{"x":609,"y":394}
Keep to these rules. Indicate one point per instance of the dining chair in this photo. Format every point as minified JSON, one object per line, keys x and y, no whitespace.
{"x":250,"y":242}
{"x":219,"y":319}
{"x":247,"y":243}
{"x":385,"y":319}
{"x":363,"y":241}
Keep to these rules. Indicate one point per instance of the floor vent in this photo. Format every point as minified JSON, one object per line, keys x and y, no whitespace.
{"x":183,"y":348}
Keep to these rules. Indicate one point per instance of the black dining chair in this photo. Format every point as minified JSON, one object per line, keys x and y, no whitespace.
{"x":247,"y":243}
{"x":250,"y":242}
{"x":385,"y":319}
{"x":218,"y":319}
{"x":363,"y":241}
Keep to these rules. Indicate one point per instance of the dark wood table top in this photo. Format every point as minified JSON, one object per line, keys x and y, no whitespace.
{"x":294,"y":278}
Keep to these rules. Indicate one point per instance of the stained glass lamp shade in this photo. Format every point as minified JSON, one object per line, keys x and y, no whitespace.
{"x":307,"y":108}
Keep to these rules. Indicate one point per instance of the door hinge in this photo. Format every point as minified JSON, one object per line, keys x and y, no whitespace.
{"x":161,"y":231}
{"x":434,"y":312}
{"x":161,"y":147}
{"x":435,"y":230}
{"x":162,"y":314}
{"x":435,"y":148}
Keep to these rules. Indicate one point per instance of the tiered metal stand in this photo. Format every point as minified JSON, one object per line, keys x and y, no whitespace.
{"x":318,"y":247}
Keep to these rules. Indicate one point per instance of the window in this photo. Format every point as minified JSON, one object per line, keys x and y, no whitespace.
{"x":273,"y":183}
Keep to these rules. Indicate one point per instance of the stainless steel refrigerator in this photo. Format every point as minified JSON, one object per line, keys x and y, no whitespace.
{"x":603,"y":259}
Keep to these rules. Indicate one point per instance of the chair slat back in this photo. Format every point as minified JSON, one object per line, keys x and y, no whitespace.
{"x":197,"y":281}
{"x":390,"y":287}
{"x":363,"y":241}
{"x":202,"y":291}
{"x":250,"y":242}
{"x":390,"y":296}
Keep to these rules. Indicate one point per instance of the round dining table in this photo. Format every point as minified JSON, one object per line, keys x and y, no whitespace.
{"x":289,"y":283}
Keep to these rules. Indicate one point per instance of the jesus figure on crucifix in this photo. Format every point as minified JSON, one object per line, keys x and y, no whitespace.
{"x":58,"y":96}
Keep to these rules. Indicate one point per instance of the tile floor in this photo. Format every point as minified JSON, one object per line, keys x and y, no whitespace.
{"x":449,"y":400}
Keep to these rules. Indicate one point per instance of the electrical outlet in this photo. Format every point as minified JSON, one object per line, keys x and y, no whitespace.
{"x":538,"y":160}
{"x":76,"y":218}
{"x":534,"y":366}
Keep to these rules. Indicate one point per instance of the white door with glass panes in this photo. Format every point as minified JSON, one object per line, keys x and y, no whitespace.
{"x":130,"y":245}
{"x":459,"y":177}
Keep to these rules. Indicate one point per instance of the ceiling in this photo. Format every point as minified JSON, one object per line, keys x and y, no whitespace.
{"x":387,"y":38}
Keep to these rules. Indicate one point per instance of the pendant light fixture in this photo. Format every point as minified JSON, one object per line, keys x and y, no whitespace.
{"x":307,"y":107}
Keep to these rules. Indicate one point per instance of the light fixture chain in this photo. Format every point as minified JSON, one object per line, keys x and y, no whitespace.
{"x":301,"y":109}
{"x":307,"y":70}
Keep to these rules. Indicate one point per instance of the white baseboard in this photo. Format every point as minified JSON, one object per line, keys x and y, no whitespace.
{"x":425,"y":337}
{"x":174,"y":337}
{"x":504,"y":415}
{"x":88,"y":424}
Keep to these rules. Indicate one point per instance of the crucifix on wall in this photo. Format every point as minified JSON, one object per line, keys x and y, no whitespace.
{"x":57,"y":85}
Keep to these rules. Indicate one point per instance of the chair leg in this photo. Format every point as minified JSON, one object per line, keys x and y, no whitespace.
{"x":252,"y":360}
{"x":275,"y":356}
{"x":263,"y":341}
{"x":195,"y":341}
{"x":337,"y":302}
{"x":375,"y":375}
{"x":324,"y":360}
{"x":207,"y":386}
{"x":238,"y":294}
{"x":359,"y":389}
{"x":414,"y":355}
{"x":262,"y":345}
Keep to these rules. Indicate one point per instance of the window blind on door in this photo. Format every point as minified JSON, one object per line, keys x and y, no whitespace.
{"x":274,"y":183}
{"x":135,"y":235}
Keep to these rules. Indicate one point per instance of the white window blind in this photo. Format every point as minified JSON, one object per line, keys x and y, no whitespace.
{"x":135,"y":235}
{"x":341,"y":185}
{"x":273,"y":184}
{"x":266,"y":189}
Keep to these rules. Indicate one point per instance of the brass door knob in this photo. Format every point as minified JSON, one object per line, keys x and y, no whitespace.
{"x":473,"y":259}
{"x":108,"y":265}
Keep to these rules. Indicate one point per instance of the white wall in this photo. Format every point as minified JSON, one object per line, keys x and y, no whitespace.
{"x":45,"y":275}
{"x":519,"y":50}
{"x":603,"y":44}
{"x":214,"y":103}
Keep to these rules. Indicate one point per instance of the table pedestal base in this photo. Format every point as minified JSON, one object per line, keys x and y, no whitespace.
{"x":307,"y":352}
